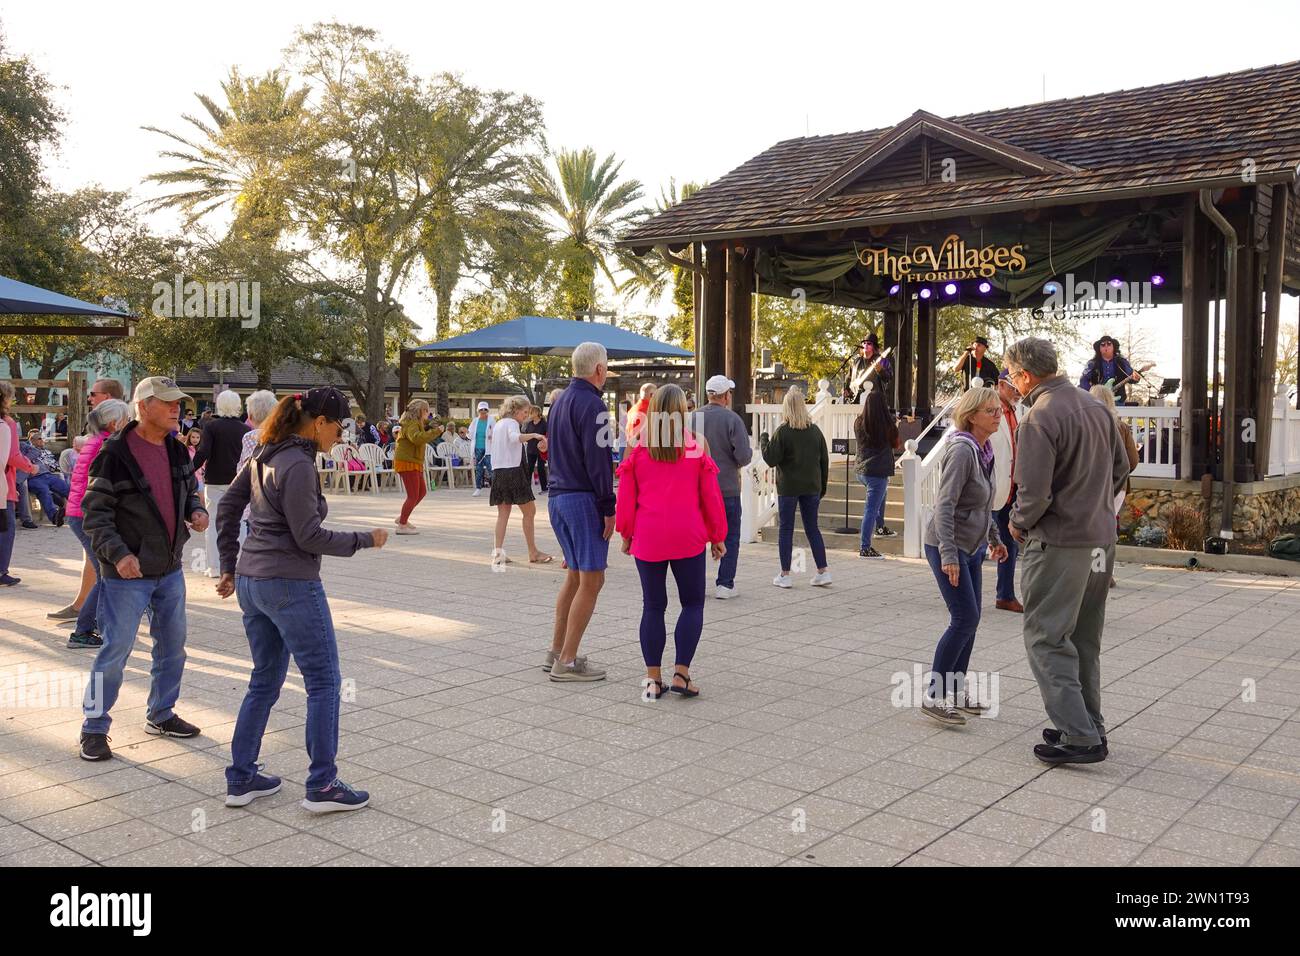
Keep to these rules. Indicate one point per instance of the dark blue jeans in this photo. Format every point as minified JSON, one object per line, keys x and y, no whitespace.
{"x":807,"y":505}
{"x":1007,"y":568}
{"x":7,"y":535}
{"x":873,"y":512}
{"x":125,"y":603}
{"x":690,"y":577}
{"x":88,"y":618}
{"x":964,"y":603}
{"x":284,"y":618}
{"x":482,"y":469}
{"x":24,"y":500}
{"x":727,"y":566}
{"x":51,"y":491}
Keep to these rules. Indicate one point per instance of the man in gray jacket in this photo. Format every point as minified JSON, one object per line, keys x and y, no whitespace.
{"x":1070,"y":464}
{"x":729,"y":447}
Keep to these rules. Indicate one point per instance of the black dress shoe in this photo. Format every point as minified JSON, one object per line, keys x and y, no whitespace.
{"x":1053,"y":737}
{"x":1069,"y":754}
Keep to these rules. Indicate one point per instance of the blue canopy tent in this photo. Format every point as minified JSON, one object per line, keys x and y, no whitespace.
{"x":532,"y":335}
{"x":19,"y":298}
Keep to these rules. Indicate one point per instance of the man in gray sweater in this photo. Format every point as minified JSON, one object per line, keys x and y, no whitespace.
{"x":1070,"y":464}
{"x":729,"y":447}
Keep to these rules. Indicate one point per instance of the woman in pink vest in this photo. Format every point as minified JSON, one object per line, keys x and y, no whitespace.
{"x":669,"y":511}
{"x":13,"y":460}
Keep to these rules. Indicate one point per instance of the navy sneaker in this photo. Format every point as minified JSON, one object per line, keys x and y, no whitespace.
{"x":8,"y":580}
{"x":337,"y":796}
{"x":173,"y":726}
{"x":85,"y":639}
{"x":242,"y":794}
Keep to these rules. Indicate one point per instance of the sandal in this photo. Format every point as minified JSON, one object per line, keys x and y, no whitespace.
{"x":544,"y":559}
{"x":684,"y":691}
{"x":645,"y":688}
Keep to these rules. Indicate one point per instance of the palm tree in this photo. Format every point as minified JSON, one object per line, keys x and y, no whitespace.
{"x":236,"y":159}
{"x":590,"y":209}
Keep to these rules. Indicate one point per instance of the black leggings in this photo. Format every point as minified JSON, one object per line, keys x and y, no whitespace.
{"x":689,"y":573}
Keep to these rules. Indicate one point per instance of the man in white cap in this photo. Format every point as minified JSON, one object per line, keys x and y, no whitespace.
{"x":141,"y":496}
{"x":480,"y":436}
{"x":729,"y":447}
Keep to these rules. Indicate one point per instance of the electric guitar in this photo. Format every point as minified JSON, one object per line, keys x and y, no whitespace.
{"x":1115,"y":386}
{"x":860,"y":377}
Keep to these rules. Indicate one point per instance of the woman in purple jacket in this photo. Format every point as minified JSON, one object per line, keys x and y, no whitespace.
{"x":280,"y":592}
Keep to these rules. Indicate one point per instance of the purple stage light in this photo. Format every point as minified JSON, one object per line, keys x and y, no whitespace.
{"x":1115,"y":283}
{"x":950,"y":289}
{"x":985,"y":288}
{"x":925,"y":293}
{"x":893,"y":289}
{"x":1157,"y":279}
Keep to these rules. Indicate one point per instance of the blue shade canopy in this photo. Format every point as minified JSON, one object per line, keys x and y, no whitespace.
{"x":535,"y":335}
{"x":19,"y":298}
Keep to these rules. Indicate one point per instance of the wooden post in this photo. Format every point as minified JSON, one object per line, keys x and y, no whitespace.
{"x":927,"y":321}
{"x":1193,"y":398}
{"x":1246,"y":339}
{"x":715,"y":304}
{"x":740,"y":327}
{"x":697,"y":305}
{"x":906,"y":354}
{"x":1272,"y":305}
{"x":78,"y":391}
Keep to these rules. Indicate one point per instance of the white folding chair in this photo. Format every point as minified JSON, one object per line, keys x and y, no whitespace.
{"x":435,"y":464}
{"x":376,"y":466}
{"x":324,"y":471}
{"x":342,"y":481}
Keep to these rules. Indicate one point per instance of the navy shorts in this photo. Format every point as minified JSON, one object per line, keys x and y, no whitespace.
{"x":580,"y":530}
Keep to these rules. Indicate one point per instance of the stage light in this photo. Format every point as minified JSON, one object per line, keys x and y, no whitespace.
{"x":1051,"y":288}
{"x":950,"y":289}
{"x":925,"y":293}
{"x":985,"y":288}
{"x":1157,"y":280}
{"x":893,"y":289}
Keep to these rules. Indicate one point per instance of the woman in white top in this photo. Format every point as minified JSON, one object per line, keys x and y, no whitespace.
{"x":510,"y":481}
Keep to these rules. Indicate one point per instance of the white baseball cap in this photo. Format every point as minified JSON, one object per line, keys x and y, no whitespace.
{"x":482,"y":406}
{"x":719,"y":384}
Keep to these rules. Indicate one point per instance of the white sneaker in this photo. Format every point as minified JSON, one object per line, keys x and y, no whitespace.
{"x":723,"y":593}
{"x":407,"y":529}
{"x":783,"y":581}
{"x":477,"y":492}
{"x":821,"y":579}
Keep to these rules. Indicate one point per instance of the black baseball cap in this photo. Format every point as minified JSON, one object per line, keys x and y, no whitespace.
{"x":981,"y":340}
{"x":327,"y":401}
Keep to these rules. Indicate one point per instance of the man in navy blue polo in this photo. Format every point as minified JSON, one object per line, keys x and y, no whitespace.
{"x":581,"y":506}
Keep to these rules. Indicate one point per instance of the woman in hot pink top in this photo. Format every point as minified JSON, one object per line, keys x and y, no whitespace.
{"x":669,"y":508}
{"x":13,"y":460}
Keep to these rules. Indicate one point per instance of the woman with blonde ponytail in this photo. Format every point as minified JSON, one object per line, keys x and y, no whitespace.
{"x":416,"y":430}
{"x":511,"y":484}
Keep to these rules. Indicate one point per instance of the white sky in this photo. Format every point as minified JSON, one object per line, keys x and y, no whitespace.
{"x":689,"y":91}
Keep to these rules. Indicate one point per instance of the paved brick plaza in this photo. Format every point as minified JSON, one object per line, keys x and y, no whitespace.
{"x":473,"y":757}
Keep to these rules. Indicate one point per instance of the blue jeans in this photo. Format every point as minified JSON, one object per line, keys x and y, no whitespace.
{"x":1007,"y":568}
{"x":482,"y":469}
{"x":873,"y":512}
{"x":689,"y":574}
{"x":24,"y":501}
{"x":124,"y":603}
{"x":7,"y":535}
{"x":964,"y":602}
{"x":283,"y":617}
{"x":88,"y":618}
{"x":727,"y":566}
{"x":807,"y":505}
{"x":48,"y":489}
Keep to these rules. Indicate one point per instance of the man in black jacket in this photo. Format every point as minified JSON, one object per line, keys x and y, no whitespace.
{"x":141,"y":494}
{"x":219,"y":449}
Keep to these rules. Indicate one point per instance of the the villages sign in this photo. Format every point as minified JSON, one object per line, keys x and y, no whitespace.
{"x":952,"y":261}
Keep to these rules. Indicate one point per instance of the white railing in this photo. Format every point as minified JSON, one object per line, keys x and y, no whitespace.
{"x":1156,"y":432}
{"x":920,"y":487}
{"x":1284,"y":438}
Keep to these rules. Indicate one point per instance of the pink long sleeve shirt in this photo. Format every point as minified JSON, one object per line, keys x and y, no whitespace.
{"x":16,"y":460}
{"x":669,"y":509}
{"x":81,"y":473}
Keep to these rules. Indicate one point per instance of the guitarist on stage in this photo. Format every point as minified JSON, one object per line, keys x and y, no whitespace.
{"x":1108,"y":367}
{"x":860,"y":372}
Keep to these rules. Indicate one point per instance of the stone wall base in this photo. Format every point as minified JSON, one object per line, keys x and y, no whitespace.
{"x":1260,"y":509}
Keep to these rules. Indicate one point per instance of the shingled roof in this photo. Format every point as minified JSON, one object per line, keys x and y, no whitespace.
{"x":1155,"y":140}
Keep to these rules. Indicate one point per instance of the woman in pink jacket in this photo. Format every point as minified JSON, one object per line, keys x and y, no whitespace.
{"x":108,"y":416}
{"x":669,"y":508}
{"x":13,"y":460}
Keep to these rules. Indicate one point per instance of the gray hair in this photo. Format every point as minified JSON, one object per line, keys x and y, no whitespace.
{"x":229,"y":403}
{"x":1104,"y":395}
{"x":586,"y":357}
{"x":106,"y":412}
{"x":1035,"y":356}
{"x":260,"y":404}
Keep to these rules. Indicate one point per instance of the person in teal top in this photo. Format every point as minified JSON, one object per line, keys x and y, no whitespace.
{"x":481,"y":438}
